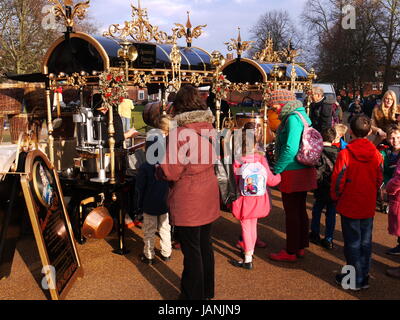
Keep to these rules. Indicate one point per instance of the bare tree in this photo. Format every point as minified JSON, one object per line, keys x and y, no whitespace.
{"x":385,"y":18}
{"x":23,"y":41}
{"x":347,"y":57}
{"x":279,"y":26}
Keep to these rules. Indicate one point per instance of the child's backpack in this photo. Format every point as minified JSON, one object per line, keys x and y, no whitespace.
{"x":253,"y":179}
{"x":311,"y":145}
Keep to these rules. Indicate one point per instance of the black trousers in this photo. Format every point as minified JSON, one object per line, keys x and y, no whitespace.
{"x":198,"y":262}
{"x":297,"y":224}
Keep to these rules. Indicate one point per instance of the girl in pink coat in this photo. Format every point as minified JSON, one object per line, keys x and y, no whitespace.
{"x":393,"y":192}
{"x":251,"y":206}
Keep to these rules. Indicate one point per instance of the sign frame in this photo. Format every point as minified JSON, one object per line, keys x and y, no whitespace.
{"x":35,"y":204}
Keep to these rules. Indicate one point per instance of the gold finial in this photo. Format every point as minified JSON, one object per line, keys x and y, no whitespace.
{"x":239,"y":45}
{"x":187,"y":32}
{"x":188,"y":24}
{"x":139,"y":29}
{"x":64,"y":11}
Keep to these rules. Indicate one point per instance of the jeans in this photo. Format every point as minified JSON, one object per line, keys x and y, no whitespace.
{"x":198,"y":262}
{"x":330,"y":220}
{"x":357,"y":236}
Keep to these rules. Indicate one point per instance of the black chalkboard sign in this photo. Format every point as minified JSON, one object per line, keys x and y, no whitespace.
{"x":51,"y":225}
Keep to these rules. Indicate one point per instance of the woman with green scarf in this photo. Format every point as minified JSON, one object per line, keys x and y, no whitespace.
{"x":297,"y":180}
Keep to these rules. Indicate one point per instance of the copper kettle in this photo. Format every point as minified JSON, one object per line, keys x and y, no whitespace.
{"x":98,"y":223}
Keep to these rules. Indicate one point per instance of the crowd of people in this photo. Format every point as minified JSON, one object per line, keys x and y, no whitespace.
{"x":358,"y":160}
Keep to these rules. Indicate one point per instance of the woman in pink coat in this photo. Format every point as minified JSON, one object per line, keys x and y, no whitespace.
{"x":251,"y":206}
{"x":393,"y":192}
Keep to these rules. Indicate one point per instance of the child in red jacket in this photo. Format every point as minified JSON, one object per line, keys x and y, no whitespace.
{"x":356,"y":177}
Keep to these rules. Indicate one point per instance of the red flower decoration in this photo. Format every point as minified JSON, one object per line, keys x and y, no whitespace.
{"x":109,"y":77}
{"x":108,"y":94}
{"x":121,"y":99}
{"x":118,"y":79}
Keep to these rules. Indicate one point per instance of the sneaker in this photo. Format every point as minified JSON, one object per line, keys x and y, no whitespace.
{"x":327,"y":244}
{"x":315,"y":238}
{"x":394,"y":251}
{"x":242,"y":264}
{"x":339,"y":278}
{"x":283,"y":256}
{"x":146,"y":260}
{"x":393,"y":272}
{"x":301,"y":253}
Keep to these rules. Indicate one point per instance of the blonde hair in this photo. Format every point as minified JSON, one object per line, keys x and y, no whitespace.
{"x":389,"y":113}
{"x":341,"y":129}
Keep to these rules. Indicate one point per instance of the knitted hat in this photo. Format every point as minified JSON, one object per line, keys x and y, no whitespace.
{"x":281,"y":96}
{"x":289,"y":108}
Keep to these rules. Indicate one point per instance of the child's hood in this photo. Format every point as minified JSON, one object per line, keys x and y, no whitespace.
{"x":362,"y":149}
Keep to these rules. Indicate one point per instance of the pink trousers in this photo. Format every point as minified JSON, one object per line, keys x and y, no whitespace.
{"x":249,"y":234}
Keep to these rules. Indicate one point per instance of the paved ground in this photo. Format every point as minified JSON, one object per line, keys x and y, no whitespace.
{"x":109,"y":276}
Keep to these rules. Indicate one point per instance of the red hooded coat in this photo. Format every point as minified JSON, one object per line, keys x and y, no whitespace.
{"x":356,"y":177}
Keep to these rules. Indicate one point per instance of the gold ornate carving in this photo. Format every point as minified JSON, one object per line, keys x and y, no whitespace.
{"x":187,"y":32}
{"x":67,"y":12}
{"x":268,"y":54}
{"x":238,"y":45}
{"x":139,"y":29}
{"x":77,"y":80}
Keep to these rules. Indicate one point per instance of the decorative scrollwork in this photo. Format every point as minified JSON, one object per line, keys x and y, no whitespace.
{"x":141,"y":79}
{"x":187,"y":32}
{"x":196,"y":79}
{"x":139,"y":29}
{"x":238,"y":45}
{"x":67,"y":12}
{"x":268,"y":54}
{"x":76,"y":80}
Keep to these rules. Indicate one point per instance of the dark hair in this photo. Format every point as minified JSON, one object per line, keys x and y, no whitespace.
{"x":360,"y":125}
{"x":392,"y":128}
{"x":328,"y":134}
{"x":171,"y":97}
{"x":188,"y":99}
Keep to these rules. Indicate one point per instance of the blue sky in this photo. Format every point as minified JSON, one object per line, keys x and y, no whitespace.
{"x":222,"y":17}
